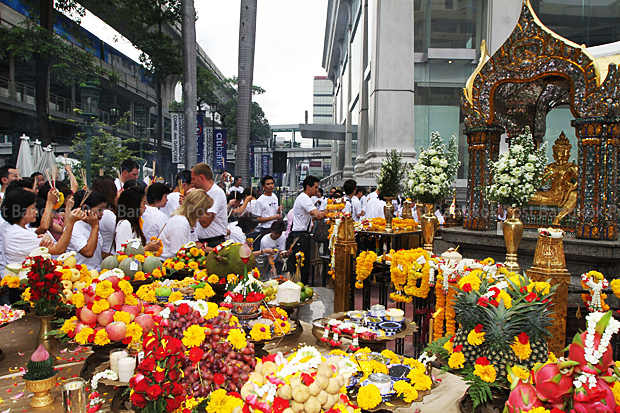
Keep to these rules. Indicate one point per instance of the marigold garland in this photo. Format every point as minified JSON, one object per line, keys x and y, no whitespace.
{"x":364,"y":264}
{"x":440,"y":306}
{"x":450,"y":314}
{"x":408,"y":268}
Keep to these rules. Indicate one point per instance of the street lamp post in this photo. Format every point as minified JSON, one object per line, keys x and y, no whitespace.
{"x":213,"y":110}
{"x":141,"y":123}
{"x":89,"y":96}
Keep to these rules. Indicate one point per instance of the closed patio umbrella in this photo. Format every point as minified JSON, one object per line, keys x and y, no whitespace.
{"x":25,"y":163}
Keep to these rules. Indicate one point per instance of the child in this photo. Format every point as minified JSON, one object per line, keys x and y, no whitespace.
{"x":275,"y":241}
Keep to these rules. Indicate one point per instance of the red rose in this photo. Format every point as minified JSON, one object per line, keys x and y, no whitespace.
{"x":195,"y":354}
{"x":222,"y":281}
{"x":306,"y":379}
{"x":139,"y":385}
{"x":172,"y":404}
{"x":159,"y":376}
{"x":138,"y":399}
{"x":183,"y":309}
{"x":148,"y":364}
{"x":479,"y":328}
{"x":523,"y":338}
{"x":177,"y":389}
{"x":49,"y":276}
{"x":154,"y":391}
{"x":219,"y":378}
{"x":531,"y":297}
{"x":467,"y":287}
{"x":53,"y":291}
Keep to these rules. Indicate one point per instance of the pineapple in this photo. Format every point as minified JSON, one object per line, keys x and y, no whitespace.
{"x":470,"y":352}
{"x":500,"y":327}
{"x":536,"y":322}
{"x":467,"y":314}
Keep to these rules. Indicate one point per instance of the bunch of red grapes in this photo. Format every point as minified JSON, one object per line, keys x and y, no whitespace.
{"x":221,"y":367}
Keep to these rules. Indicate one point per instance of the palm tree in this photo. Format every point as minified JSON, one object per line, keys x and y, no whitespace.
{"x":247,"y":40}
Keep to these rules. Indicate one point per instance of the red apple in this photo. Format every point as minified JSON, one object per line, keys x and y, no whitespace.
{"x":78,"y":327}
{"x":87,"y":316}
{"x":133,"y":310}
{"x":106,"y":317}
{"x":116,"y":298}
{"x":153,"y":309}
{"x":114,"y":280}
{"x":77,"y":312}
{"x":89,"y":297}
{"x":146,"y":322}
{"x":116,"y":330}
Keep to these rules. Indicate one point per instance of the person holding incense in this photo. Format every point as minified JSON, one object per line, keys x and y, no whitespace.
{"x":86,"y":239}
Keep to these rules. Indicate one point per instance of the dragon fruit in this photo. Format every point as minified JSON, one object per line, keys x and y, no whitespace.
{"x":554,"y":381}
{"x":597,"y":400}
{"x":576,"y":350}
{"x":522,"y":397}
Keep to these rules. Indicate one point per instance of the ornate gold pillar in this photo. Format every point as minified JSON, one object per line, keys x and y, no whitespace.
{"x":483,"y":147}
{"x":597,"y":197}
{"x":550,"y":265}
{"x":345,"y":248}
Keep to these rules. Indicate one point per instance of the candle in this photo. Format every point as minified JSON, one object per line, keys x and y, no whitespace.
{"x":74,"y":395}
{"x":431,"y":330}
{"x":115,"y":356}
{"x":126,"y":367}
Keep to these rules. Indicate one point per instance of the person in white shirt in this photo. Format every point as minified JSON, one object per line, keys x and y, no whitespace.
{"x":86,"y":239}
{"x":179,"y":227}
{"x":266,"y":207}
{"x":352,"y":203}
{"x":18,"y":210}
{"x":129,"y":208}
{"x":356,"y":204}
{"x":154,"y":219}
{"x":107,"y":224}
{"x":211,"y":228}
{"x":236,"y":185}
{"x":184,"y":179}
{"x":129,"y":171}
{"x":319,"y":200}
{"x":374,"y":206}
{"x":303,"y":213}
{"x":274,"y":245}
{"x":8,"y":174}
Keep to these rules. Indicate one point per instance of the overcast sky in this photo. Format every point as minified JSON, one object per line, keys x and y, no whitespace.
{"x":289,"y":49}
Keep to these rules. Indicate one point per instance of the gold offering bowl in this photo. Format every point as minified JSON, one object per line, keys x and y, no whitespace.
{"x":41,"y":389}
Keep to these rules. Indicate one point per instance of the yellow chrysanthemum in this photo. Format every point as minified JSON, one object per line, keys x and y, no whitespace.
{"x":139,"y":257}
{"x":541,"y":287}
{"x":82,"y":336}
{"x":193,"y":336}
{"x":260,"y":332}
{"x":139,"y":276}
{"x":100,"y":305}
{"x":522,"y":351}
{"x":193,"y":265}
{"x":368,"y":397}
{"x":406,"y":391}
{"x":179,"y":266}
{"x":123,"y":316}
{"x":194,"y":251}
{"x":78,"y":300}
{"x":213,"y":279}
{"x":213,"y":312}
{"x":135,"y":332}
{"x":419,"y":380}
{"x":69,"y":325}
{"x":486,"y":373}
{"x":237,"y":339}
{"x":104,"y":289}
{"x":156,"y":273}
{"x":204,"y":293}
{"x":221,"y":402}
{"x":101,"y":338}
{"x":456,"y":360}
{"x":175,"y":296}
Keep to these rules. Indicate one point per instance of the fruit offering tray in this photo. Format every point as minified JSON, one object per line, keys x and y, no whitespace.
{"x":270,"y":289}
{"x":367,"y":328}
{"x":296,"y":330}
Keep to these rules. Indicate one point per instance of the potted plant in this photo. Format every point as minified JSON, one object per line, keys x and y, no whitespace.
{"x":390,"y":182}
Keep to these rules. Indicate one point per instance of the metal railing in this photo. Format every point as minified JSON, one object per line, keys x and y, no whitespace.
{"x":27,"y":94}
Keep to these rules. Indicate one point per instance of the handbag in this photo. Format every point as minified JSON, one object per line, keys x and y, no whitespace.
{"x":321,"y":232}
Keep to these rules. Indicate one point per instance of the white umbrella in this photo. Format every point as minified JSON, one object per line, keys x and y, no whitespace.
{"x":65,"y":161}
{"x":37,"y":151}
{"x":47,"y":161}
{"x":25,"y":163}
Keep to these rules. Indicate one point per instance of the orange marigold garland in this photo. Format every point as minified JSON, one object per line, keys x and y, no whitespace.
{"x":440,"y":313}
{"x":363,"y":268}
{"x":450,"y":314}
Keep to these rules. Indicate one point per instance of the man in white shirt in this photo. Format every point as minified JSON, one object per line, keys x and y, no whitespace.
{"x":352,"y":203}
{"x":154,"y":219}
{"x":236,"y":185}
{"x":8,"y":174}
{"x":211,"y":227}
{"x":374,"y":206}
{"x":356,"y":204}
{"x":303,"y":212}
{"x":275,"y":241}
{"x":129,"y":171}
{"x":184,"y":179}
{"x":266,"y":206}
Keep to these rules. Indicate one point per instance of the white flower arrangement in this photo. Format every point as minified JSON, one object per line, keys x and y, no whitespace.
{"x":517,"y":173}
{"x":113,"y":272}
{"x":431,"y":178}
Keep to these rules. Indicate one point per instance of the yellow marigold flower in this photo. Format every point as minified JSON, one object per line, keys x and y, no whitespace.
{"x":193,"y":336}
{"x":121,"y":257}
{"x":204,"y":293}
{"x":456,"y":360}
{"x":125,"y":287}
{"x":488,"y":261}
{"x":100,"y":305}
{"x":553,"y":359}
{"x":156,"y":273}
{"x":486,"y":373}
{"x":405,"y":390}
{"x":522,"y":351}
{"x":26,"y":294}
{"x":472,"y":280}
{"x":135,"y":332}
{"x":168,"y":263}
{"x":236,"y":338}
{"x":82,"y":336}
{"x":179,"y":266}
{"x":213,"y":312}
{"x":541,"y":287}
{"x":281,"y":327}
{"x":260,"y":332}
{"x":615,"y":388}
{"x":123,"y":316}
{"x":66,"y":274}
{"x":520,"y":372}
{"x":391,"y":355}
{"x":420,"y":380}
{"x":475,"y":338}
{"x":139,"y":257}
{"x":78,"y":300}
{"x":234,"y":321}
{"x":368,"y":397}
{"x":193,"y":265}
{"x":539,"y":409}
{"x":413,"y":363}
{"x":221,"y":402}
{"x":231,"y":278}
{"x":338,"y":352}
{"x":175,"y":296}
{"x":139,"y":276}
{"x":213,"y":279}
{"x":449,"y":346}
{"x":130,"y":299}
{"x":69,"y":325}
{"x":104,"y":289}
{"x":101,"y":338}
{"x":194,"y":251}
{"x":505,"y":297}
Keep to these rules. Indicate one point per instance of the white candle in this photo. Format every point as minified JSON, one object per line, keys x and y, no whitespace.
{"x":126,"y":367}
{"x":115,"y":356}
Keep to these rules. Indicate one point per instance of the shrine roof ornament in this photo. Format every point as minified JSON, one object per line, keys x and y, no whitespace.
{"x":533,"y":71}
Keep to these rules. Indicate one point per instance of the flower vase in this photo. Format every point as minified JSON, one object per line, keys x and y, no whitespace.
{"x":49,"y":342}
{"x":388,"y":211}
{"x":429,"y":223}
{"x":41,"y":389}
{"x":513,"y":231}
{"x":407,"y":209}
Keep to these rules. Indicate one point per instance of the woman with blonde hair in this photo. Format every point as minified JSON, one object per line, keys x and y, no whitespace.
{"x":178,"y":230}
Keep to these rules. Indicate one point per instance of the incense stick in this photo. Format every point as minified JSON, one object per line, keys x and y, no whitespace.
{"x":88,"y":192}
{"x":162,"y":229}
{"x":83,"y":175}
{"x":180,"y":184}
{"x":54,"y":175}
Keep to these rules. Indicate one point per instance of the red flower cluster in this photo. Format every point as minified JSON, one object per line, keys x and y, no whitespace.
{"x":44,"y":283}
{"x":156,"y":382}
{"x":252,"y":297}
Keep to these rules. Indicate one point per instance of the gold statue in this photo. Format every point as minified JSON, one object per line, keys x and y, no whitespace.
{"x":563,"y":177}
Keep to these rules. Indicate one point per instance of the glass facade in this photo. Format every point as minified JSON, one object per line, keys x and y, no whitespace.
{"x":454,"y":24}
{"x":322,"y":100}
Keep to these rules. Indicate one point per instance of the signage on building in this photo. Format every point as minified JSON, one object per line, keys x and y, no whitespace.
{"x":178,"y":138}
{"x":219,"y":143}
{"x":265,"y":164}
{"x":316,"y":168}
{"x":209,"y":156}
{"x":251,"y":160}
{"x":200,"y":138}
